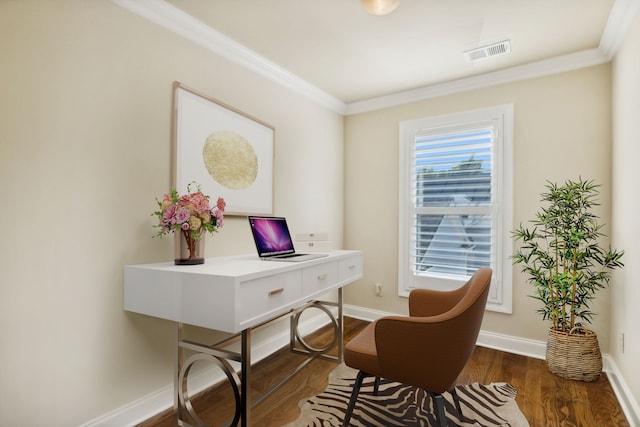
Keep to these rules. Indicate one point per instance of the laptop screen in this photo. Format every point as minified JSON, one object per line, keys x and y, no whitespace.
{"x":271,"y":235}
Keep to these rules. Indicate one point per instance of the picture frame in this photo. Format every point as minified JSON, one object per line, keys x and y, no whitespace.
{"x":226,"y":152}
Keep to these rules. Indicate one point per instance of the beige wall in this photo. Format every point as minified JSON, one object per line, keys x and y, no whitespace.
{"x":85,"y":102}
{"x":562,"y":130}
{"x":625,"y":311}
{"x":85,"y":112}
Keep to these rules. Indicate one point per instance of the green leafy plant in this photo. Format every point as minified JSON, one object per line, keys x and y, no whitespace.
{"x":561,"y":254}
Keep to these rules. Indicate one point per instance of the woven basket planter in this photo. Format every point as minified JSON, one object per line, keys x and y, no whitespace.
{"x":574,"y":355}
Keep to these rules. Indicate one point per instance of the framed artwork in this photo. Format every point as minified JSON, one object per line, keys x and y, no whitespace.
{"x":227,"y":152}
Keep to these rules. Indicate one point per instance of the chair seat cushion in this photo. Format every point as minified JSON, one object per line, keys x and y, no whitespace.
{"x":360,"y":353}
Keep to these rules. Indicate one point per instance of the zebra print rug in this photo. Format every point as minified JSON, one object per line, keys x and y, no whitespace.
{"x":404,"y":406}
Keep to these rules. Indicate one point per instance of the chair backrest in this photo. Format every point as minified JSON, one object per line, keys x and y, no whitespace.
{"x":431,"y":351}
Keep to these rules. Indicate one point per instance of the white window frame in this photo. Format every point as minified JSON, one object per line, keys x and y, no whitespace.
{"x":501,"y":293}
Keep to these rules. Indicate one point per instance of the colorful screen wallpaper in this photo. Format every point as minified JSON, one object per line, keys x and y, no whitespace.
{"x":271,"y":235}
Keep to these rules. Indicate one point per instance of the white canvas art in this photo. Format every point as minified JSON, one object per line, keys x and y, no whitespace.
{"x":228,"y":153}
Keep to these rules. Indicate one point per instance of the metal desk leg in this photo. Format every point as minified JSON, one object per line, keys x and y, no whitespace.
{"x":217,"y":354}
{"x":245,"y":385}
{"x":340,"y":327}
{"x":177,"y":366}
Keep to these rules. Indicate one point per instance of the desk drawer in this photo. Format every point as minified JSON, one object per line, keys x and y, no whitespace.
{"x":319,"y":277}
{"x":350,"y":268}
{"x":267,"y":294}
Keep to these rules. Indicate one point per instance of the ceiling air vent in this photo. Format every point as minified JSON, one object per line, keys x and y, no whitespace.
{"x":483,"y":52}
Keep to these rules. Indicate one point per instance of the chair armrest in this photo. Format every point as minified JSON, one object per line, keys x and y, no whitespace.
{"x":428,"y":302}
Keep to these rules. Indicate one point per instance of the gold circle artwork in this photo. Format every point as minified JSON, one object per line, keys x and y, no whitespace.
{"x":230,"y":160}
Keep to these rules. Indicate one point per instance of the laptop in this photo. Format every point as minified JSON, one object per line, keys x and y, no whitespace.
{"x":273,"y":240}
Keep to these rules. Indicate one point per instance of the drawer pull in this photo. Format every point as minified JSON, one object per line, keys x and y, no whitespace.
{"x":322,"y":276}
{"x":276,"y":292}
{"x":352,"y":266}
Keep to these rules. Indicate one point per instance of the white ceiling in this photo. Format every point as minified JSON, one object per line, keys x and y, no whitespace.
{"x":337,"y":50}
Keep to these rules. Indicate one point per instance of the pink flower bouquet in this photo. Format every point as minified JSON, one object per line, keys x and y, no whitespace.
{"x":190,"y":213}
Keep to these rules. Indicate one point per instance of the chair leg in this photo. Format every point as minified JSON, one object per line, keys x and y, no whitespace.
{"x":376,"y":386}
{"x":442,"y":419}
{"x":354,"y":397}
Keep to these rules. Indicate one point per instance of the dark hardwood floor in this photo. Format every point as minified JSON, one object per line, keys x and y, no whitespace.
{"x":545,"y":399}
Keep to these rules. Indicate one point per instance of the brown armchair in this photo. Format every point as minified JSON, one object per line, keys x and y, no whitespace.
{"x":427,"y":349}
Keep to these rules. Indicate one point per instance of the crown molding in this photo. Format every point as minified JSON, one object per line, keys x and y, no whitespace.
{"x":173,"y":19}
{"x":543,"y":68}
{"x":168,"y":16}
{"x":620,"y":19}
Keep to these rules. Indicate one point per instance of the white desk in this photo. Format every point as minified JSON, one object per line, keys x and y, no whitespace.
{"x":235,"y":294}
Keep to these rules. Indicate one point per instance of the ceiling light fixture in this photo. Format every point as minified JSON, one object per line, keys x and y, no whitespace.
{"x":380,"y":7}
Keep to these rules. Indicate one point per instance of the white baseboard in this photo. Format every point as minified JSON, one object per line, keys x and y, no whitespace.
{"x":154,"y":403}
{"x":530,"y":348}
{"x":629,"y":405}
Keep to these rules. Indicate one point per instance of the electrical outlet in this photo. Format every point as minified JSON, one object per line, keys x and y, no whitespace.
{"x":378,"y":289}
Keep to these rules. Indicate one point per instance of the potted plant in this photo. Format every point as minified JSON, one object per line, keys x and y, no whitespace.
{"x":566,"y":265}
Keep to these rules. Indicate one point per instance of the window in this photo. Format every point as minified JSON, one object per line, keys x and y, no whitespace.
{"x":456,"y":201}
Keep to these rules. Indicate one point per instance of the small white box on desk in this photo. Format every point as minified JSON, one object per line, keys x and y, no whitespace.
{"x":312,"y":242}
{"x":312,"y":237}
{"x":303,"y":247}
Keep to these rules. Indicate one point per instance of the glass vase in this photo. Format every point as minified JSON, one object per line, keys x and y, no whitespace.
{"x":188,"y":251}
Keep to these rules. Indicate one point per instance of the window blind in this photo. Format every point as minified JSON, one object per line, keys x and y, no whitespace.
{"x":452,"y":199}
